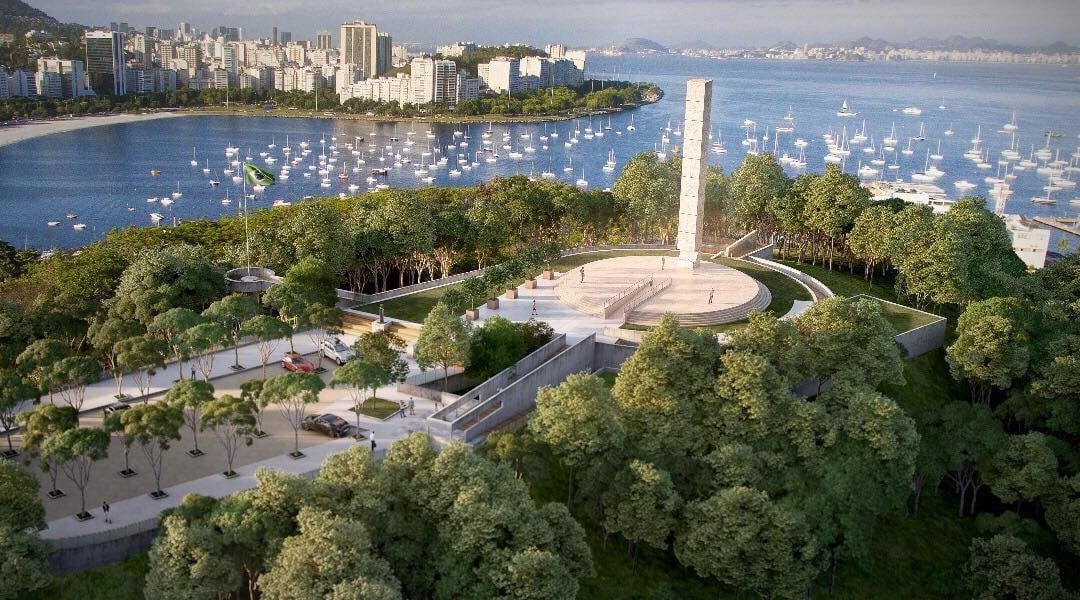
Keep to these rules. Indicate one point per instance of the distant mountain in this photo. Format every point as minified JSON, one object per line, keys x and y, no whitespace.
{"x":19,"y":17}
{"x":955,"y":43}
{"x":639,"y":45}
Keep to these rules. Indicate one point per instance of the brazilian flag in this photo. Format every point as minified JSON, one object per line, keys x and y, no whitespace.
{"x":257,"y":175}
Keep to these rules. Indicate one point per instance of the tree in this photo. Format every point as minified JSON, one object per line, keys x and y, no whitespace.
{"x":323,"y":321}
{"x":971,"y":438}
{"x":140,"y":355}
{"x":172,"y":324}
{"x":290,"y":300}
{"x":104,"y":334}
{"x":267,"y":331}
{"x":24,"y":563}
{"x":1004,"y":567}
{"x":659,"y":392}
{"x":850,"y":341}
{"x":316,"y":278}
{"x":758,"y":181}
{"x":34,"y":361}
{"x":495,"y":346}
{"x":233,"y":421}
{"x":12,"y":392}
{"x":75,"y":451}
{"x":579,"y":420}
{"x":70,"y":375}
{"x":21,"y":508}
{"x":115,"y":427}
{"x":833,"y":202}
{"x":383,"y":349}
{"x":1025,"y":469}
{"x":190,"y":560}
{"x":191,"y":396}
{"x":443,"y":341}
{"x":329,"y":551}
{"x":641,"y":506}
{"x":231,"y":312}
{"x":650,"y":191}
{"x":38,"y":426}
{"x":360,"y":375}
{"x":202,"y":340}
{"x":293,"y":392}
{"x":154,"y":426}
{"x":744,"y":539}
{"x":869,"y":237}
{"x":160,"y":279}
{"x":991,"y":348}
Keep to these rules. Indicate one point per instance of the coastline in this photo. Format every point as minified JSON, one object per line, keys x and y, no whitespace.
{"x":14,"y":133}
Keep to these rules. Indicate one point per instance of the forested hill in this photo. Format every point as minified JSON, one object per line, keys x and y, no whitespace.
{"x":19,"y":17}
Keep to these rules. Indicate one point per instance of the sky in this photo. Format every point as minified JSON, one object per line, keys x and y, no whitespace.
{"x":595,"y":23}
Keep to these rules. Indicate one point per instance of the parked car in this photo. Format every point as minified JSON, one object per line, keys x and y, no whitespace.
{"x":115,"y":407}
{"x":330,"y":424}
{"x":292,"y":361}
{"x":336,"y":350}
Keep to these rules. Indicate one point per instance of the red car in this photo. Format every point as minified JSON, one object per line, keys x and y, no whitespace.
{"x":296,"y":363}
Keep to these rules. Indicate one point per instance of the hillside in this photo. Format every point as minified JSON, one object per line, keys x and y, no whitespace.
{"x":19,"y":17}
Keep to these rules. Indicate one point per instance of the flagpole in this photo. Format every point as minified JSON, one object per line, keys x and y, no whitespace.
{"x":247,"y":233}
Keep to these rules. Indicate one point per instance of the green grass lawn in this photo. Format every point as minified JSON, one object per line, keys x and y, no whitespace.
{"x":378,"y":408}
{"x":609,"y":378}
{"x":903,"y":319}
{"x":843,"y":283}
{"x":119,"y":581}
{"x":413,"y":307}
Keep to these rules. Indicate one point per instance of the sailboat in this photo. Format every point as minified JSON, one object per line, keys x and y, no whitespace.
{"x":194,"y":161}
{"x":569,"y":166}
{"x":582,"y":183}
{"x":845,"y":110}
{"x":923,"y":176}
{"x":206,"y":169}
{"x":176,"y":195}
{"x":631,"y":127}
{"x":609,"y":165}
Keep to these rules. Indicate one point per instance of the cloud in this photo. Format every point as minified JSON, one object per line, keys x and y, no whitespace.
{"x":719,"y":22}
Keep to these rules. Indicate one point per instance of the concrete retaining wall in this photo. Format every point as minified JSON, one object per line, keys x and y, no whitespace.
{"x":520,"y":397}
{"x":765,"y":252}
{"x":741,"y":246}
{"x":817,"y":289}
{"x":89,"y":551}
{"x":611,"y":356}
{"x":409,"y":289}
{"x":923,"y":339}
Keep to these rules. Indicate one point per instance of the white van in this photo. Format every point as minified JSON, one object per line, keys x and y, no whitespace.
{"x":336,"y":350}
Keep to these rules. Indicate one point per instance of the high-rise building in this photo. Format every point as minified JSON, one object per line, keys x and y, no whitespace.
{"x":323,"y":41}
{"x":362,"y":45}
{"x":58,"y":78}
{"x":273,"y":35}
{"x":500,"y":75}
{"x":105,"y":63}
{"x":285,"y":37}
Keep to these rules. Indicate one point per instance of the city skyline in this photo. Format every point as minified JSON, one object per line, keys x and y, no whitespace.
{"x":723,"y":23}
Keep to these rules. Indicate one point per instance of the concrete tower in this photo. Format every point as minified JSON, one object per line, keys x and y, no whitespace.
{"x":692,"y":188}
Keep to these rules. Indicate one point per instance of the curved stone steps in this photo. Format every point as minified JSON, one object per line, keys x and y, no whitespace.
{"x":760,"y":301}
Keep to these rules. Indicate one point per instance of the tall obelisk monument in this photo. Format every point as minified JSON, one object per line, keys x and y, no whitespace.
{"x":692,"y":189}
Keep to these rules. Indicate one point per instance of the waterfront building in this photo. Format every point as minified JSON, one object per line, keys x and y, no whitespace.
{"x":21,"y":84}
{"x":345,"y":76}
{"x":58,"y":78}
{"x":434,"y":81}
{"x":5,"y":93}
{"x":152,"y":79}
{"x":468,"y":87}
{"x":382,"y":89}
{"x":1028,"y":241}
{"x":501,"y":74}
{"x":363,"y":45}
{"x":105,"y":62}
{"x":538,"y":71}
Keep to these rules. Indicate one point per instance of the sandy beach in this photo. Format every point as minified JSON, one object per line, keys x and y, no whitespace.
{"x":13,"y":133}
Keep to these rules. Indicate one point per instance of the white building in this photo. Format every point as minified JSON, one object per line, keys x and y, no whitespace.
{"x":57,"y":78}
{"x":456,"y":50}
{"x":382,"y":89}
{"x":434,"y":81}
{"x":501,"y":74}
{"x":1028,"y":241}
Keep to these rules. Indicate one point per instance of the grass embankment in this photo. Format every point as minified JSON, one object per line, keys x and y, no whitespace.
{"x":119,"y":581}
{"x":415,"y":307}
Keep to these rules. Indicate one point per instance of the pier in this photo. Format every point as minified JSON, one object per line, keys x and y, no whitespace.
{"x":1066,"y":224}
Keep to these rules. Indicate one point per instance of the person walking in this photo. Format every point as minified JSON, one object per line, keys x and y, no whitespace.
{"x":582,"y":271}
{"x":662,"y":263}
{"x":534,"y":313}
{"x":105,"y":511}
{"x":402,"y":405}
{"x":412,"y":407}
{"x":711,"y":295}
{"x":193,"y":372}
{"x":372,"y":442}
